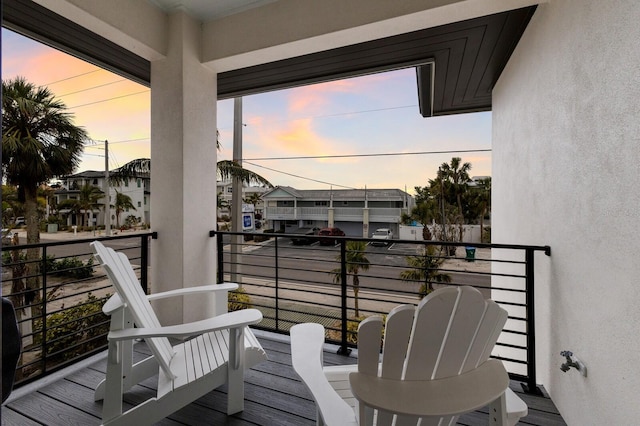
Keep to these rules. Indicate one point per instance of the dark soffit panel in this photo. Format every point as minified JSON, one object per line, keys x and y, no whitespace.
{"x":469,"y":57}
{"x":37,"y":22}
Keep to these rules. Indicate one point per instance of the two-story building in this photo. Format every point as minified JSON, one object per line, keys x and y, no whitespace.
{"x":137,"y":188}
{"x":358,"y":212}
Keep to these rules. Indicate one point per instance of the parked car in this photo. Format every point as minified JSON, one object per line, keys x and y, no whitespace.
{"x":304,"y":236}
{"x":20,"y":221}
{"x":325,"y":236}
{"x":383,"y":237}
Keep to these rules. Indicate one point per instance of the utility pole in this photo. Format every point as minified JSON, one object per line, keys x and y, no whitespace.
{"x":105,"y":185}
{"x":236,"y":198}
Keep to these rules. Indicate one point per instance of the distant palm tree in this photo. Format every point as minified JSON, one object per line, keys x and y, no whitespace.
{"x":425,"y":269}
{"x":457,"y":173}
{"x":123,"y":203}
{"x":484,"y":201}
{"x":39,"y":142}
{"x":86,"y":203}
{"x":356,"y":260}
{"x":226,"y":169}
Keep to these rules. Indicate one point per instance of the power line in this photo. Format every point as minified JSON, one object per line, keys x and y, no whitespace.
{"x":387,"y":154}
{"x":117,"y":142}
{"x":72,"y":77}
{"x":110,"y":99}
{"x":93,"y":87}
{"x":336,"y":114}
{"x":300,"y":177}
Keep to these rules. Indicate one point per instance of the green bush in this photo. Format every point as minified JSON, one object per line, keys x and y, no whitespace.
{"x":75,"y":331}
{"x":335,"y":334}
{"x":239,"y":299}
{"x":70,"y":267}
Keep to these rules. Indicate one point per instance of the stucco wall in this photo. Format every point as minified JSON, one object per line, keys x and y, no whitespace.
{"x":566,"y":172}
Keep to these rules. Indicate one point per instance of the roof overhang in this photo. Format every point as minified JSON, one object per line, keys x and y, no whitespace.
{"x":457,"y":64}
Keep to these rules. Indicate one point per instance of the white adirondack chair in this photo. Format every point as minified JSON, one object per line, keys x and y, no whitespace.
{"x":218,"y":351}
{"x":435,"y":365}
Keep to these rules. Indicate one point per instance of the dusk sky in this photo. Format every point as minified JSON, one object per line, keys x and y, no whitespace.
{"x":375,"y":114}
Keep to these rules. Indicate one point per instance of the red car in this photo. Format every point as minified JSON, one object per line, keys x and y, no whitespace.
{"x":325,"y":234}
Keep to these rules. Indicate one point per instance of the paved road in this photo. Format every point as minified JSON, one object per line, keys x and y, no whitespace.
{"x":304,"y":265}
{"x":313,"y":265}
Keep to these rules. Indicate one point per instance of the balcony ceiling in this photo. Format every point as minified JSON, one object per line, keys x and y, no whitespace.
{"x":209,"y":10}
{"x":458,"y":63}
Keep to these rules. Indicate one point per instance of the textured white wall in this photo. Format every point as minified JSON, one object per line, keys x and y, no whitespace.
{"x":183,"y":151}
{"x":566,"y":172}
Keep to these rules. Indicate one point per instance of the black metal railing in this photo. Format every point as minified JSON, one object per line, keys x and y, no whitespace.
{"x":306,"y":281}
{"x":58,"y":291}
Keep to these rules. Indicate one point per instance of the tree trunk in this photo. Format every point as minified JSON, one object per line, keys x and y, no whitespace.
{"x":356,"y":288}
{"x":32,"y":265}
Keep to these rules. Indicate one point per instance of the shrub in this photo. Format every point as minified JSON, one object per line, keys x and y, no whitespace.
{"x":335,"y":334}
{"x":70,"y":267}
{"x":77,"y":330}
{"x":239,"y":299}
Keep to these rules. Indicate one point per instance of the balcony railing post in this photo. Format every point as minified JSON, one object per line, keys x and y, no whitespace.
{"x":277,"y":288}
{"x":43,"y":311}
{"x":144,"y":271}
{"x":343,"y":350}
{"x":531,"y":385}
{"x":220,"y":256}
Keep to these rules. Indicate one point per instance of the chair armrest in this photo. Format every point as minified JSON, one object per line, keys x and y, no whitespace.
{"x":193,"y":290}
{"x":443,"y":397}
{"x":236,"y":319}
{"x":112,"y":305}
{"x":307,"y":342}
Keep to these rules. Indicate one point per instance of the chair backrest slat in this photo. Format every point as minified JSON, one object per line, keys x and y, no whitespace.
{"x":467,"y":312}
{"x":397,"y":333}
{"x":124,"y":279}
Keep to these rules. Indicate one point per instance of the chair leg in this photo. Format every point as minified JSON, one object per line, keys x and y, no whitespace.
{"x":112,"y":406}
{"x":498,"y":411}
{"x":235,"y":401}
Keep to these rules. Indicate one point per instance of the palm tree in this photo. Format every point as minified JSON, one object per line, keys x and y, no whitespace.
{"x":253,"y":198}
{"x":484,"y":201}
{"x":458,"y":175}
{"x":425,"y":269}
{"x":425,"y":212}
{"x":226,"y":169}
{"x":39,"y":142}
{"x":355,"y":261}
{"x":87,"y":202}
{"x":123,"y":203}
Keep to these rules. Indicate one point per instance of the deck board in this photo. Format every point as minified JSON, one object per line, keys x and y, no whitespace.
{"x":273,"y":396}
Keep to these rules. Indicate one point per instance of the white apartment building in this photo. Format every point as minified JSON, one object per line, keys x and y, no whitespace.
{"x":358,"y":212}
{"x":138,"y":189}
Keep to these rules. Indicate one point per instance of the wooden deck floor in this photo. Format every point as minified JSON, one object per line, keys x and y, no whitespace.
{"x":273,"y":396}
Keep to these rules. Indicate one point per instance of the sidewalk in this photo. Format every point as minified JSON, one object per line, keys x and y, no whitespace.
{"x":70,"y":235}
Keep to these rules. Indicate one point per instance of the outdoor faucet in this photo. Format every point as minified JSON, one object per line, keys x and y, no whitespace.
{"x":574,"y":362}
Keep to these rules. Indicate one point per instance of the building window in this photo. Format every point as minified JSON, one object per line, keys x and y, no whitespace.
{"x":139,"y":183}
{"x":139,"y":204}
{"x":126,"y":182}
{"x":345,"y":203}
{"x":229,"y":189}
{"x":145,"y":201}
{"x":321,"y":203}
{"x":95,"y":181}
